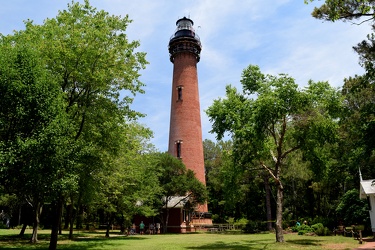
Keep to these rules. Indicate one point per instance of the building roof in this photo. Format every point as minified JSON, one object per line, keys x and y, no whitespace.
{"x":367,"y":187}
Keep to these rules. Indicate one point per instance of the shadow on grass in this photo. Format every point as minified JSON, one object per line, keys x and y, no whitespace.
{"x":250,"y":244}
{"x":257,"y":244}
{"x":97,"y":240}
{"x":80,"y":241}
{"x":306,"y":242}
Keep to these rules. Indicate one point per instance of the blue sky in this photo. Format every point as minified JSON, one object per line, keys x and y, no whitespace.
{"x":278,"y":35}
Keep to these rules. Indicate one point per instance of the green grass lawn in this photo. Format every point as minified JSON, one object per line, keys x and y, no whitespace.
{"x":96,"y":240}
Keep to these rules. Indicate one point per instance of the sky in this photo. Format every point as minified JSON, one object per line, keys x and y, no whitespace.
{"x":280,"y":36}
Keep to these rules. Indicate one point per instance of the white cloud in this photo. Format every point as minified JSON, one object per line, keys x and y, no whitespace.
{"x":278,"y":35}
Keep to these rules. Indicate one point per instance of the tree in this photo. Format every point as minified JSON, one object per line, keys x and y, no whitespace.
{"x":87,"y":51}
{"x":347,"y":10}
{"x":214,"y":161}
{"x":357,"y":123}
{"x":176,"y":180}
{"x":32,"y":126}
{"x":128,"y":180}
{"x":234,"y":190}
{"x":271,"y":119}
{"x":357,"y":129}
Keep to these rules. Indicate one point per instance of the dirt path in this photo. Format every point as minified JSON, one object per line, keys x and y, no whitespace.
{"x":368,"y":244}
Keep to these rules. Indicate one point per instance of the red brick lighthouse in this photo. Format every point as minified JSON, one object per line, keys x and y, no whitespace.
{"x":185,"y":132}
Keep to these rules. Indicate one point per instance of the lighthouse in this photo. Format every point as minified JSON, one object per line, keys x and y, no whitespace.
{"x":185,"y":132}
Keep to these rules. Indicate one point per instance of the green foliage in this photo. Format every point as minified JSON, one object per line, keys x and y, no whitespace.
{"x":176,"y":180}
{"x":32,"y":122}
{"x":351,"y":209}
{"x":328,"y":222}
{"x":317,"y":229}
{"x":347,"y":10}
{"x":272,"y":119}
{"x":253,"y":227}
{"x":304,"y":229}
{"x":241,"y":222}
{"x":63,"y":121}
{"x":320,"y":230}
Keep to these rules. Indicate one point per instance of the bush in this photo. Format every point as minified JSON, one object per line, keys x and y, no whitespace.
{"x":320,"y":230}
{"x":251,"y":227}
{"x":352,"y":209}
{"x":241,"y":223}
{"x":304,"y":229}
{"x":215,"y":218}
{"x":326,"y":221}
{"x":317,"y":229}
{"x":2,"y":225}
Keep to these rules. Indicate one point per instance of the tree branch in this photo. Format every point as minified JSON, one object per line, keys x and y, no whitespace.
{"x":269,"y":170}
{"x":289,"y":151}
{"x":273,"y":156}
{"x":372,"y":18}
{"x":281,"y":140}
{"x":272,"y":132}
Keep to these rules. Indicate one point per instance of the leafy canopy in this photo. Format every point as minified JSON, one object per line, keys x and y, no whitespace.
{"x":346,"y":10}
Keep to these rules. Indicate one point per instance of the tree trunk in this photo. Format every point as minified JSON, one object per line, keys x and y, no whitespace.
{"x":279,"y":213}
{"x":66,"y":217}
{"x":37,"y":212}
{"x":60,"y":216}
{"x":268,"y":201}
{"x":79,"y":212}
{"x":167,"y":216}
{"x":166,"y":221}
{"x":19,"y":215}
{"x":71,"y":218}
{"x":57,"y":207}
{"x":79,"y":216}
{"x":22,"y":233}
{"x":108,"y":228}
{"x":122,"y":224}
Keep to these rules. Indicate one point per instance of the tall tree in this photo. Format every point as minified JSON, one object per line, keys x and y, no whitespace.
{"x":215,"y":160}
{"x":32,"y":127}
{"x":357,"y":126}
{"x":272,"y":118}
{"x":90,"y":56}
{"x":130,"y":179}
{"x":357,"y":123}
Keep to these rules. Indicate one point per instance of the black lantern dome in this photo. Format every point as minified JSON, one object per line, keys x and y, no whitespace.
{"x":184,"y":39}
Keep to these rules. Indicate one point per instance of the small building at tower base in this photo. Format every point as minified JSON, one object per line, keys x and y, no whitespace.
{"x":182,"y":218}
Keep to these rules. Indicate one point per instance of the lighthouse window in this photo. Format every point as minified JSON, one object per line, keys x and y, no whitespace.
{"x":179,"y":93}
{"x":178,"y":148}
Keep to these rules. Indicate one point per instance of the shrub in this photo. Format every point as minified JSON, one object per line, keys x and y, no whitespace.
{"x":304,"y":229}
{"x":320,"y":230}
{"x":2,"y":225}
{"x":241,"y":223}
{"x":251,"y":227}
{"x":352,"y":209}
{"x":326,"y":221}
{"x":215,"y":218}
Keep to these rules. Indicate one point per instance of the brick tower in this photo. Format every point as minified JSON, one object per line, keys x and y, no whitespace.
{"x":185,"y":132}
